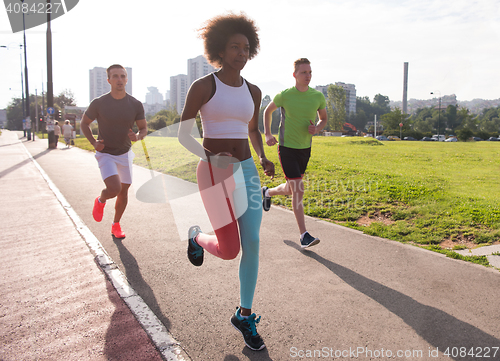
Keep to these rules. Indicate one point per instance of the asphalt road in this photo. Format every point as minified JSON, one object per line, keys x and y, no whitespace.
{"x":351,"y":296}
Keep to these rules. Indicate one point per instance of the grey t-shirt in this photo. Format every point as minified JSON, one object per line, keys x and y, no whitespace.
{"x":115,"y":118}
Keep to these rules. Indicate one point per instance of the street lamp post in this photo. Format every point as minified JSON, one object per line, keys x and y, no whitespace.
{"x":50,"y":91}
{"x":22,"y":79}
{"x":28,"y":116}
{"x":439,"y":114}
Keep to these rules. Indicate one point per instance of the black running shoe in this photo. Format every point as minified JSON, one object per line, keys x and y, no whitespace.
{"x":247,"y":328}
{"x":266,"y":201}
{"x":308,"y":241}
{"x":194,"y":251}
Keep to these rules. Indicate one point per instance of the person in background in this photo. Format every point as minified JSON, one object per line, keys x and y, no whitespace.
{"x":67,"y":131}
{"x":116,"y":113}
{"x":57,"y":131}
{"x":299,"y":106}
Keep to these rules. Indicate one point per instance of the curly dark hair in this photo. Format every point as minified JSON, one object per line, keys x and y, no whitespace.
{"x":217,"y":31}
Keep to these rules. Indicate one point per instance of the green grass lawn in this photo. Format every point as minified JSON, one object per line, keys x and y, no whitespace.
{"x":422,"y":193}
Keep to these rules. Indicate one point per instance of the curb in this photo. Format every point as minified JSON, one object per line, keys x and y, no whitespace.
{"x":168,"y":347}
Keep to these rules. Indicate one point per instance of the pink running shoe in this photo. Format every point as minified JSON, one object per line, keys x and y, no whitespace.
{"x":98,"y":210}
{"x":116,"y":231}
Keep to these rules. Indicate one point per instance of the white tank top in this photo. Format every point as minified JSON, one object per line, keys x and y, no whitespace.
{"x":227,"y":114}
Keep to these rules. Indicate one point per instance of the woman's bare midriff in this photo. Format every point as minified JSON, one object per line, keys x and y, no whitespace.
{"x":238,"y":148}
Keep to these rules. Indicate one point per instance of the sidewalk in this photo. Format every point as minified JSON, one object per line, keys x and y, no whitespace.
{"x":56,"y":304}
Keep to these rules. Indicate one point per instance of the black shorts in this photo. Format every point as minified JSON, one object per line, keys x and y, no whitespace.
{"x":294,"y":161}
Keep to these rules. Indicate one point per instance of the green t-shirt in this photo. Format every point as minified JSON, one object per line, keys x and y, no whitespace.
{"x":298,"y":108}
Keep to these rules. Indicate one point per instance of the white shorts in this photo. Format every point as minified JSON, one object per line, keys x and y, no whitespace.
{"x":120,"y":165}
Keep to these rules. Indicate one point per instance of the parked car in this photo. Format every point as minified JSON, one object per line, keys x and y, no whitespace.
{"x":382,"y":138}
{"x":451,"y":139}
{"x":393,"y":137}
{"x":477,"y":139}
{"x":493,"y":139}
{"x":440,"y":138}
{"x":427,"y":139}
{"x":409,"y":138}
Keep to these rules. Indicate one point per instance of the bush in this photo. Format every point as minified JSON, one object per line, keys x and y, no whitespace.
{"x":464,"y":134}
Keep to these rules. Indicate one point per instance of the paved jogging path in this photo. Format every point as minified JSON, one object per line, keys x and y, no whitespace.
{"x":353,"y":295}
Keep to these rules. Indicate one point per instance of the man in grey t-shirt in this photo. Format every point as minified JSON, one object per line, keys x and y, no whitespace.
{"x":115,"y":112}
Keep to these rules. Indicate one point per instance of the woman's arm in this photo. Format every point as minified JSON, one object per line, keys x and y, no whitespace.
{"x":256,"y":136}
{"x":197,"y":96}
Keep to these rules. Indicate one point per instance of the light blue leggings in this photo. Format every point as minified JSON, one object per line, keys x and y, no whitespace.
{"x":236,"y":216}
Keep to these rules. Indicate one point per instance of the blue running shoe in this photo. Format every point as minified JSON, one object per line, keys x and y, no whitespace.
{"x":194,"y":251}
{"x":308,"y":241}
{"x":247,"y":328}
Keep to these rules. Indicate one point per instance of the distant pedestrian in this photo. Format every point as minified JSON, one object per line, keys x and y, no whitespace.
{"x":57,"y":131}
{"x":299,"y":106}
{"x":227,"y":176}
{"x":67,"y":131}
{"x":116,"y":112}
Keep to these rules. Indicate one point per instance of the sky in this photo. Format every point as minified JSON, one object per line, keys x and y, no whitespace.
{"x":452,"y":47}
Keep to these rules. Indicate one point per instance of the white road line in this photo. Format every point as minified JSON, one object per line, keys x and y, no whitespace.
{"x":163,"y":340}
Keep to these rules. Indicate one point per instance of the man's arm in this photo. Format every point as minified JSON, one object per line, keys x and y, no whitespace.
{"x":268,"y":118}
{"x":323,"y":119}
{"x":85,"y":126}
{"x":143,"y":131}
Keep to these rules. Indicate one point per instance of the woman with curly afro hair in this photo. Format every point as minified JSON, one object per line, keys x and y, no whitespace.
{"x":227,"y":177}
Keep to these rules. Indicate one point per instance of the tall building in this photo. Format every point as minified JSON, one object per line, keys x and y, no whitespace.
{"x":154,"y":101}
{"x":179,"y":84}
{"x":197,"y":68}
{"x":178,"y":91}
{"x":98,"y":82}
{"x":350,"y":95}
{"x":153,"y":96}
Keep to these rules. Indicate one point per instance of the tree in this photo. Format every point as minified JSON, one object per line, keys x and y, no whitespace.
{"x":359,"y":120}
{"x":15,"y":112}
{"x":65,"y":98}
{"x":423,"y":114}
{"x":490,"y":126}
{"x":464,"y":134}
{"x":159,"y":121}
{"x":163,"y":119}
{"x":366,"y":110}
{"x":423,"y":126}
{"x":451,"y":115}
{"x":467,"y":121}
{"x":438,"y":121}
{"x":391,"y":121}
{"x":336,"y":107}
{"x":381,"y":104}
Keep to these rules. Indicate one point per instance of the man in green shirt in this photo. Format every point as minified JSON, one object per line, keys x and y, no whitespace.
{"x":299,"y":106}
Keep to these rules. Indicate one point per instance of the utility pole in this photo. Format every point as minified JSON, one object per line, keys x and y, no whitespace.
{"x":36,"y":113}
{"x":50,"y":89}
{"x":28,"y":117}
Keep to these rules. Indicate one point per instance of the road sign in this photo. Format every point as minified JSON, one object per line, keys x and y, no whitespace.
{"x":50,"y":110}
